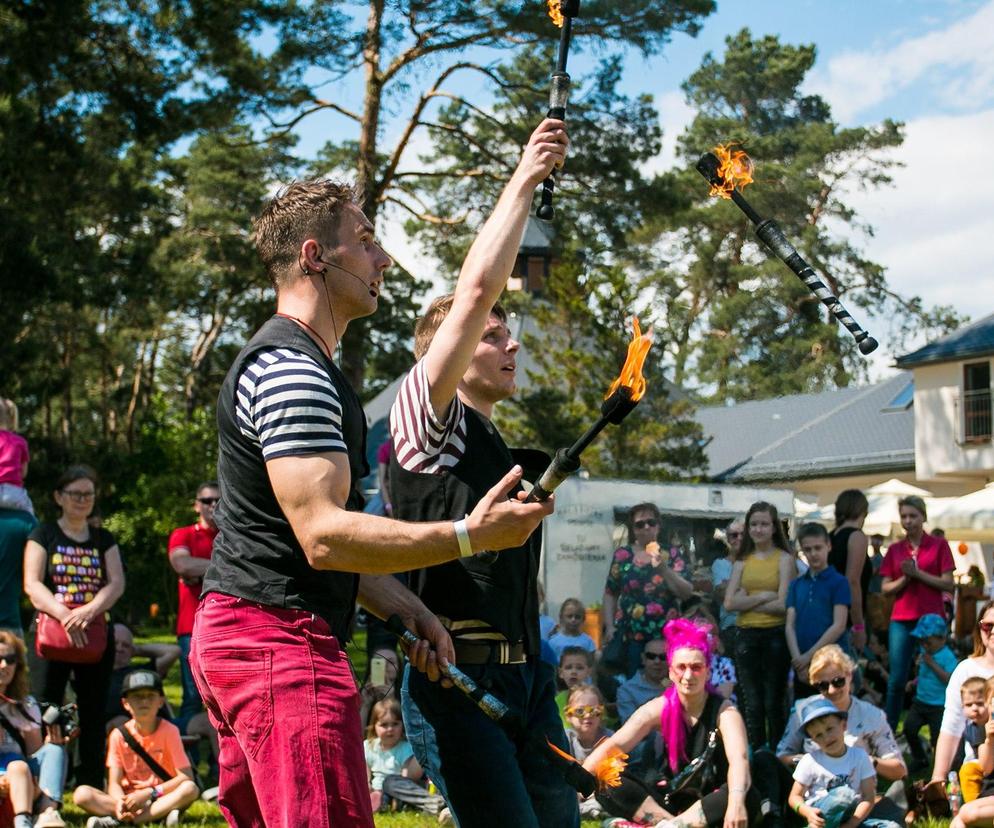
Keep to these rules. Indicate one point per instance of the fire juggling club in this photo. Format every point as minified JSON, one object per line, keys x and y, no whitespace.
{"x":562,"y":13}
{"x":622,"y":397}
{"x":574,"y":773}
{"x":773,"y":237}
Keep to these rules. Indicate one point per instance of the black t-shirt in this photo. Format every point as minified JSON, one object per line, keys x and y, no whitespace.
{"x":840,"y":555}
{"x":75,"y":571}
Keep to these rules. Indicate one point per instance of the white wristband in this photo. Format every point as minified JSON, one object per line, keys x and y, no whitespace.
{"x":462,"y":535}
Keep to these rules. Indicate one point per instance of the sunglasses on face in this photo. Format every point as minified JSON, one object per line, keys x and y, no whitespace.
{"x":986,"y":627}
{"x":208,"y":501}
{"x":837,"y":682}
{"x":653,"y":656}
{"x":8,"y":658}
{"x":680,"y":669}
{"x":651,"y":523}
{"x":731,"y":535}
{"x":586,"y":711}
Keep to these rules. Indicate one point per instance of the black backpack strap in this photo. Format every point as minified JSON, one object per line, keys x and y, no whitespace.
{"x":153,"y":766}
{"x":15,"y":734}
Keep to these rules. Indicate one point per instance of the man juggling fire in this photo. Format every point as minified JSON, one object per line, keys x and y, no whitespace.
{"x":448,"y":454}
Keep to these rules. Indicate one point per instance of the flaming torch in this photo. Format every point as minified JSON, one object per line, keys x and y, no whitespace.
{"x":621,"y":398}
{"x":574,"y":773}
{"x":728,"y":171}
{"x":562,"y":13}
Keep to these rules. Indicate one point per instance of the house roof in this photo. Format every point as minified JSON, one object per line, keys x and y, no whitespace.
{"x":844,"y":431}
{"x":538,"y":236}
{"x":973,"y":340}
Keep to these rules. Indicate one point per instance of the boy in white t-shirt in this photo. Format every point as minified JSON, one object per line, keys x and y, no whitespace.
{"x":834,"y":786}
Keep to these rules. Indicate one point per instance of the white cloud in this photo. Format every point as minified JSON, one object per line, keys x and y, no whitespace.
{"x":955,"y":64}
{"x":934,"y":226}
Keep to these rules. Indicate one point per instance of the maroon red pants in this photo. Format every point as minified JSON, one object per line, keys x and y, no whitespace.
{"x":280,"y":692}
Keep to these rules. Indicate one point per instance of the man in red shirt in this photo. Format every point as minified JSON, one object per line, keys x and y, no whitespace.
{"x":189,"y":553}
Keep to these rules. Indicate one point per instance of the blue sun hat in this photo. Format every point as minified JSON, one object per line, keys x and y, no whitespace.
{"x":929,"y":625}
{"x":819,"y":707}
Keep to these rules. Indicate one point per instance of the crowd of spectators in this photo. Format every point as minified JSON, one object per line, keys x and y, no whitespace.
{"x":756,"y":687}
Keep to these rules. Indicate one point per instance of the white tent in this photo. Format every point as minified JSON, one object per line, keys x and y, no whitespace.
{"x":882,"y":518}
{"x":970,"y":517}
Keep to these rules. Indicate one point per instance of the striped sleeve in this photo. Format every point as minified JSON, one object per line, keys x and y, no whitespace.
{"x":287,"y":405}
{"x":422,"y":443}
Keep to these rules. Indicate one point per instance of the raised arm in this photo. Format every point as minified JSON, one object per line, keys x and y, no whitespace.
{"x":488,"y":265}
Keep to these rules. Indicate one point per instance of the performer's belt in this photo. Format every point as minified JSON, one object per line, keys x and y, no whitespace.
{"x":489,"y":652}
{"x":476,"y":642}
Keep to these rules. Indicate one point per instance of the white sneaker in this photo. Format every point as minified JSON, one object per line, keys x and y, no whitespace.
{"x":173,"y":818}
{"x":210,"y":794}
{"x":50,"y":818}
{"x":102,"y":822}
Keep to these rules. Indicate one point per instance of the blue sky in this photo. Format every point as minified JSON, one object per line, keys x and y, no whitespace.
{"x":928,"y":63}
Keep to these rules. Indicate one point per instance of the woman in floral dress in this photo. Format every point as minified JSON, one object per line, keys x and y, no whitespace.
{"x":643,"y":590}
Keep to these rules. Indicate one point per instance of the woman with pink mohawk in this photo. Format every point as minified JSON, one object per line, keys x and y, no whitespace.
{"x":702,"y":777}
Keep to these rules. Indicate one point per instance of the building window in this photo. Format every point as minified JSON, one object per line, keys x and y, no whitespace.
{"x":977,"y":401}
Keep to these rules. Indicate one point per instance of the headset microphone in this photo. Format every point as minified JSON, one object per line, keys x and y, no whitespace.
{"x":353,"y":275}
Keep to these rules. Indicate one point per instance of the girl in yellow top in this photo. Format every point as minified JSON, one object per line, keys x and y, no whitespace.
{"x":757,"y":590}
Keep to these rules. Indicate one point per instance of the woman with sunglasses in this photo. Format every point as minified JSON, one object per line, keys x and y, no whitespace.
{"x":73,"y":574}
{"x":980,"y":663}
{"x":831,"y":673}
{"x":32,"y":756}
{"x":643,"y":590}
{"x":702,"y":778}
{"x":917,"y":570}
{"x":757,"y":591}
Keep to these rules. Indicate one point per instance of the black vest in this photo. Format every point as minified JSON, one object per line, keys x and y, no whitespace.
{"x":496,"y":588}
{"x":256,"y":554}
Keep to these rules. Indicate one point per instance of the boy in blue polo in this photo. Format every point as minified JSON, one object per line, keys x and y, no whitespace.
{"x":817,"y":605}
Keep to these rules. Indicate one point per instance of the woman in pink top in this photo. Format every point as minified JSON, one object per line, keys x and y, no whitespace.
{"x":917,"y":569}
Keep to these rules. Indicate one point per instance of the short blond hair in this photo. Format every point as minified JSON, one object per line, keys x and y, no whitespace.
{"x":427,"y":326}
{"x":301,"y":210}
{"x":8,"y":414}
{"x":973,"y":684}
{"x":831,"y":655}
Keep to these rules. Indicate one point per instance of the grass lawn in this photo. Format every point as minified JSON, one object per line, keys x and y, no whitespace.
{"x":207,"y":814}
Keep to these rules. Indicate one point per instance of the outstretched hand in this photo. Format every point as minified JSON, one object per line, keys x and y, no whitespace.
{"x":499,"y":523}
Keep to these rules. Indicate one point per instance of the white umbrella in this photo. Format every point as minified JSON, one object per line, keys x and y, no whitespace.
{"x":882,"y":517}
{"x":970,"y":517}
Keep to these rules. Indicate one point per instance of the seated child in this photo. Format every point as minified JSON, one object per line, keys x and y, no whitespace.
{"x":976,"y":711}
{"x":585,"y":714}
{"x":575,"y":669}
{"x":394,"y":772}
{"x":834,"y":785}
{"x":570,"y":631}
{"x":937,"y":662}
{"x":979,"y":811}
{"x":136,"y":791}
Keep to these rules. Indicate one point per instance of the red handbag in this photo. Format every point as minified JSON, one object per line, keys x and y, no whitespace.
{"x":52,"y":642}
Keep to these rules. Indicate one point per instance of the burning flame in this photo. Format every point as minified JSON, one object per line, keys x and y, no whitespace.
{"x":631,"y":372}
{"x":556,"y":12}
{"x":735,"y":170}
{"x":609,"y":769}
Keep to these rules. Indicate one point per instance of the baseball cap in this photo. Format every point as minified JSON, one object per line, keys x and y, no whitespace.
{"x":929,"y":625}
{"x":818,"y":708}
{"x":141,"y":680}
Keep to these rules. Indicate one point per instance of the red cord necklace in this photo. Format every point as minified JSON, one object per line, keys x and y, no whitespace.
{"x":304,"y":324}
